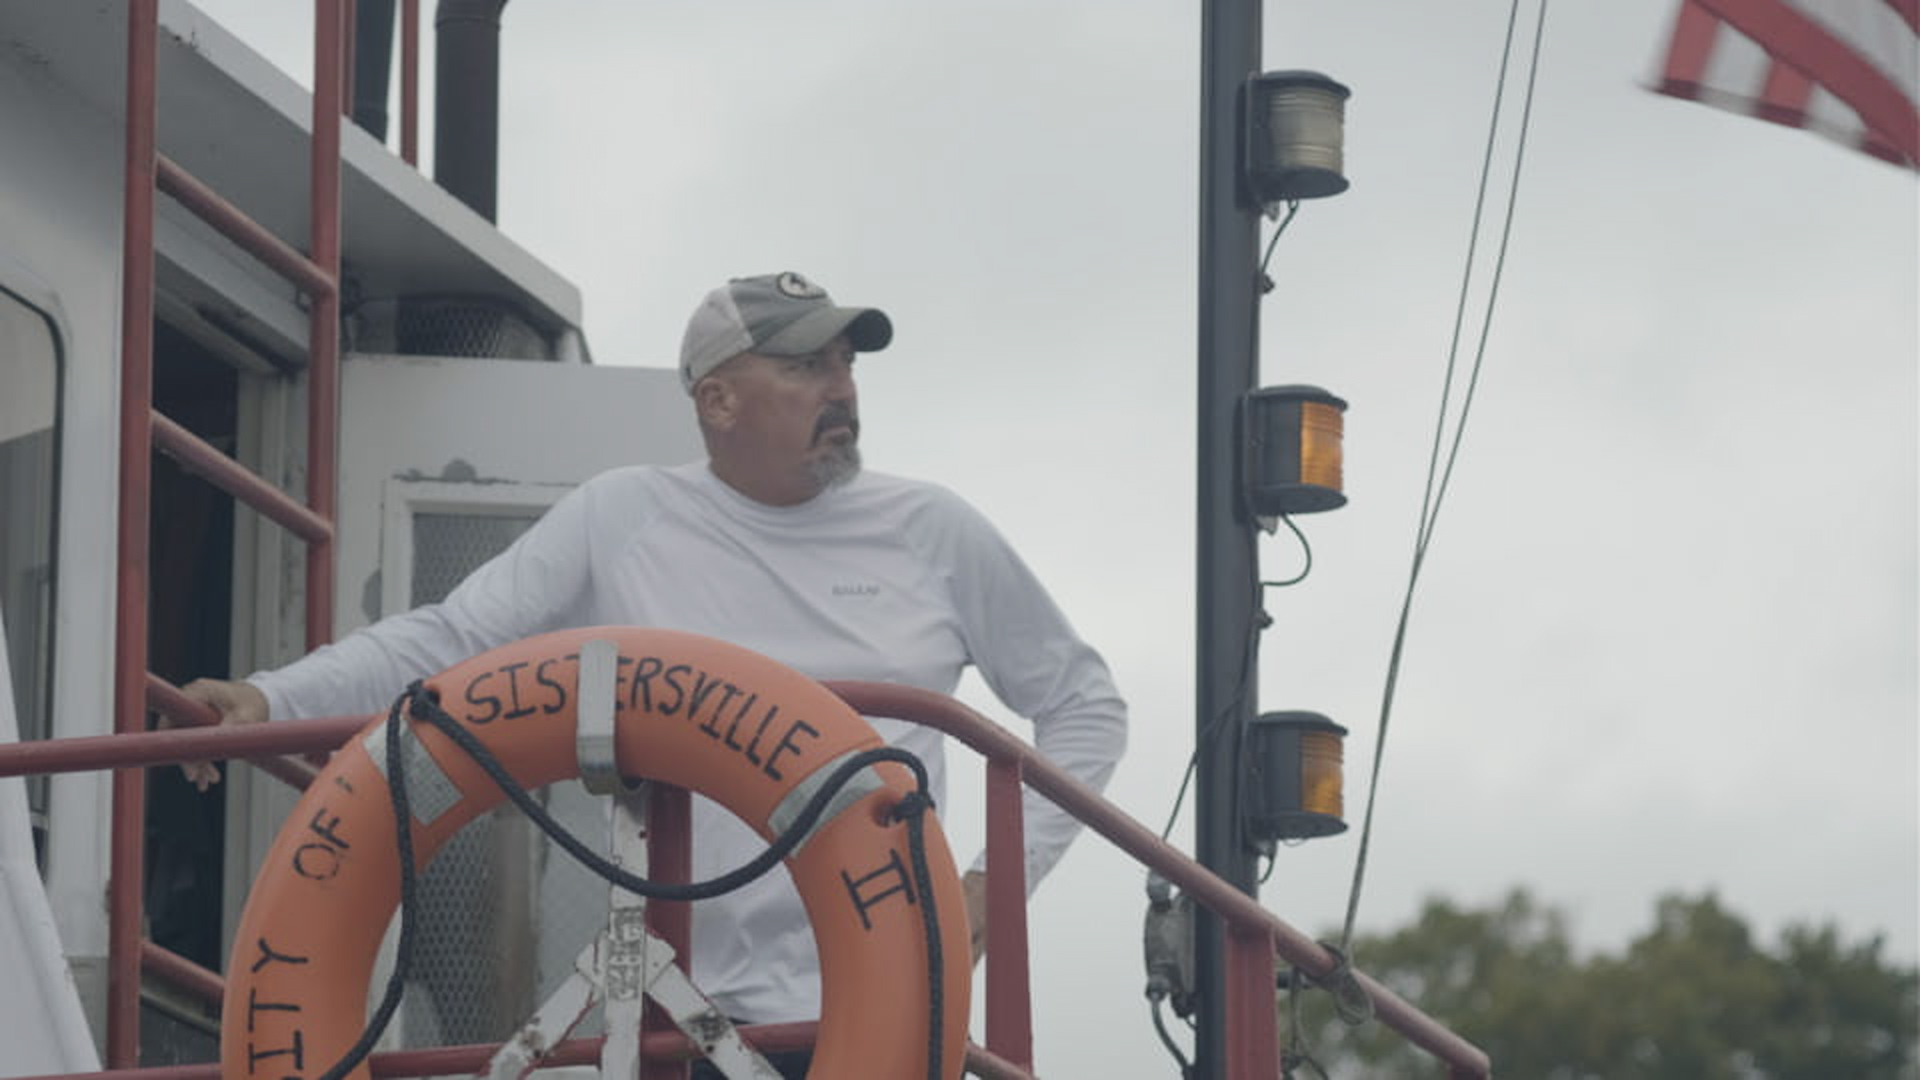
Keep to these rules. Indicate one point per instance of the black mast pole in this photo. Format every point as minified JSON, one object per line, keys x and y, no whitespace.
{"x":1228,"y":581}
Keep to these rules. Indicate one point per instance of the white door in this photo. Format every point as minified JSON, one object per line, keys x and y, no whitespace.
{"x":443,"y":462}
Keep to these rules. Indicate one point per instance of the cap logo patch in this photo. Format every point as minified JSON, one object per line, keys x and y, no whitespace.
{"x":798,"y":287}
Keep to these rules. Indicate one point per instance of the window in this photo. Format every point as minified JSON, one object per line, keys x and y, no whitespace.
{"x":29,"y":455}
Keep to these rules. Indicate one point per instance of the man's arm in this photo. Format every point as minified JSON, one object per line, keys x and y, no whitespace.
{"x":1034,"y":661}
{"x":528,"y":588}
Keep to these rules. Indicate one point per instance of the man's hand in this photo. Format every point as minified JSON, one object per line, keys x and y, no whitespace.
{"x":974,"y":886}
{"x":237,"y":702}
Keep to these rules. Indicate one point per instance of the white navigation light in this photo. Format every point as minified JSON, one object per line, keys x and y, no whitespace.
{"x":1296,"y":129}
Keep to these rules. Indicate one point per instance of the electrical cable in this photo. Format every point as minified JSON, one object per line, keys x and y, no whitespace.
{"x":1180,"y":797}
{"x":423,"y":704}
{"x":1293,"y":207}
{"x":1297,"y":1052}
{"x":1266,"y":285}
{"x":1166,"y":1040}
{"x":1306,"y":550}
{"x":1202,"y":738}
{"x":1193,"y":760}
{"x":1186,"y":779}
{"x":1435,"y":495}
{"x":1248,"y":651}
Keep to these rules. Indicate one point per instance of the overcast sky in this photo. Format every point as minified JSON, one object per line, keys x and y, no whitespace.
{"x":1666,"y":636}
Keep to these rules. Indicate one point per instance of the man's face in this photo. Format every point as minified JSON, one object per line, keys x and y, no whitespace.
{"x":802,"y":411}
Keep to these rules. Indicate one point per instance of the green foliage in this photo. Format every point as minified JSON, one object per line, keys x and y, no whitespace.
{"x":1693,"y":998}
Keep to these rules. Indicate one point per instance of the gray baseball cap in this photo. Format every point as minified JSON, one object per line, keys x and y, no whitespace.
{"x":773,"y":315}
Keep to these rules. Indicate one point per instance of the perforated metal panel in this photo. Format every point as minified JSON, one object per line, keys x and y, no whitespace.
{"x":465,"y":326}
{"x":448,"y":547}
{"x":501,"y":913}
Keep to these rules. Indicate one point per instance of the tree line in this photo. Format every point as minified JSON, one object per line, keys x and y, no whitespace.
{"x":1694,"y":997}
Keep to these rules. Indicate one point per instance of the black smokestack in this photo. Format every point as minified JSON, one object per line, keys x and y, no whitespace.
{"x":466,"y":94}
{"x":372,"y":64}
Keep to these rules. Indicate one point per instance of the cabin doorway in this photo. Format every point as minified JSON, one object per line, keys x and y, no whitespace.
{"x":190,"y":614}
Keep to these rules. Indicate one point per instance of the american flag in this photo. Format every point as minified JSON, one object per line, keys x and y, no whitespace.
{"x":1847,"y":69}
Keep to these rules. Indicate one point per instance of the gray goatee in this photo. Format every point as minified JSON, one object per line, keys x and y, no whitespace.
{"x":838,"y":464}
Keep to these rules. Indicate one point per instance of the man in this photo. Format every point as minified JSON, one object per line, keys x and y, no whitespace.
{"x":781,"y":543}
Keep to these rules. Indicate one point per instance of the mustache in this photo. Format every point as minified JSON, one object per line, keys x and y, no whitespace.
{"x":836,"y":416}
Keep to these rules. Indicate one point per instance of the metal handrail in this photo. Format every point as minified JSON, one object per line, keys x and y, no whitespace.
{"x":169,"y":701}
{"x":183,"y":973}
{"x":1237,"y":909}
{"x":234,"y":223}
{"x":172,"y":747}
{"x":198,"y":456}
{"x":665,"y":1046}
{"x":1256,"y":936}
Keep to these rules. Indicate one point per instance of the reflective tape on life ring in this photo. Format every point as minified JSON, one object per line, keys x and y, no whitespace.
{"x":751,"y":734}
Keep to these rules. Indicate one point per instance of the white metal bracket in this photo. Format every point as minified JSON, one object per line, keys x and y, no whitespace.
{"x":593,"y":716}
{"x":624,"y":965}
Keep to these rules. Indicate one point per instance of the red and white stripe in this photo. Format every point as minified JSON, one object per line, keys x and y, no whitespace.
{"x":1847,"y":69}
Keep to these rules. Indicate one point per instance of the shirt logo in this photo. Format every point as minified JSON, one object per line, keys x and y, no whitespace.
{"x":857,"y":589}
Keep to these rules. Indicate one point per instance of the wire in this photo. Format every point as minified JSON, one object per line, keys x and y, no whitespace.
{"x":1249,"y":649}
{"x":1297,"y":1052}
{"x":1166,"y":1040}
{"x":1306,"y":550}
{"x":1240,"y":693}
{"x":1435,"y":495}
{"x":1186,"y":779}
{"x":1180,"y":796}
{"x":1266,"y":285}
{"x":1293,"y":207}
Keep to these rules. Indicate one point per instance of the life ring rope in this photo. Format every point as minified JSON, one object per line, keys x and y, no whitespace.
{"x":813,"y":805}
{"x":823,"y":799}
{"x":826,"y":797}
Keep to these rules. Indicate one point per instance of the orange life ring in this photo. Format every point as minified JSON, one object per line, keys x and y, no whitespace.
{"x":691,"y":711}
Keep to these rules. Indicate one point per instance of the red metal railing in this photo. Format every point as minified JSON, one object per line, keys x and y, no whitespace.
{"x":470,"y":1060}
{"x":1255,"y":936}
{"x":142,"y":431}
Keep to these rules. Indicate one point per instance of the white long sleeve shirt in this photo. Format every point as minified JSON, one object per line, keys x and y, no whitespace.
{"x":881,"y":579}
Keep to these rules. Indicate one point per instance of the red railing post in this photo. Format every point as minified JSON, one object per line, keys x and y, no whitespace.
{"x":323,"y":362}
{"x":1009,"y":1005}
{"x":1252,"y":1028}
{"x":127,"y":862}
{"x":669,"y":861}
